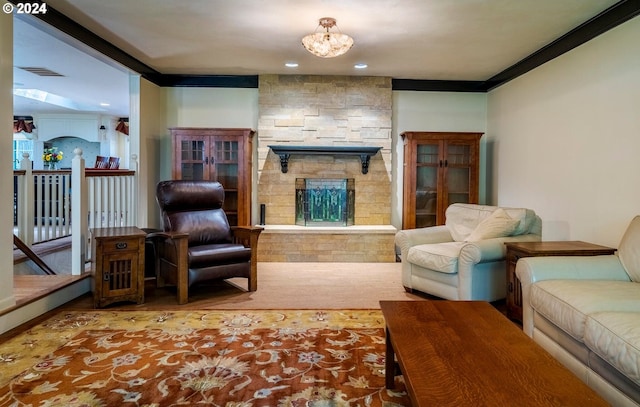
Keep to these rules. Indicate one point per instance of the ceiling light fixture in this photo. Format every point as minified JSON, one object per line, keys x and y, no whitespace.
{"x":327,"y":44}
{"x":360,"y":66}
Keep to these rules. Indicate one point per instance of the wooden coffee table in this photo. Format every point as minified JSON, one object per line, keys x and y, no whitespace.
{"x":466,"y":353}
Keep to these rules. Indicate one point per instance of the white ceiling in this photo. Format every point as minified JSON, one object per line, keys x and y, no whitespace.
{"x":412,"y":39}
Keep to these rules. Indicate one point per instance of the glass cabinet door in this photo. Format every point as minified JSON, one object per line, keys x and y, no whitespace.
{"x":193,"y":159}
{"x":427,"y":163}
{"x":226,"y":157}
{"x":458,"y":173}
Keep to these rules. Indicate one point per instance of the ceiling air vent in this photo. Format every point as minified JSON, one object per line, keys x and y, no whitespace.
{"x":40,"y":71}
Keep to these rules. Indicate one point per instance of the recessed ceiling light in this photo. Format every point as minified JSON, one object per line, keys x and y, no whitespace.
{"x":105,"y":104}
{"x":291,"y":64}
{"x":360,"y":66}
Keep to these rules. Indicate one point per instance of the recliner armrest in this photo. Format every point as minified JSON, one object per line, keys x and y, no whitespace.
{"x":166,"y":235}
{"x":247,"y":235}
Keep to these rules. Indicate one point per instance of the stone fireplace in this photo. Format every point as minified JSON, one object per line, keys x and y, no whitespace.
{"x":325,"y":113}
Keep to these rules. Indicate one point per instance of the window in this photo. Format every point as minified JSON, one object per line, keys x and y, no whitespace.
{"x":20,"y":147}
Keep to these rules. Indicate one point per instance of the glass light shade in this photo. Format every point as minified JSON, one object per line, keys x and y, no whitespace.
{"x":327,"y":44}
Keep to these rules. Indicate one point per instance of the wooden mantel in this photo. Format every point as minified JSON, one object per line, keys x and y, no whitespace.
{"x":364,"y":152}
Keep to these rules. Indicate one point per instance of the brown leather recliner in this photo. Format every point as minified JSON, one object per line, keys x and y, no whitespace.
{"x":197,"y":243}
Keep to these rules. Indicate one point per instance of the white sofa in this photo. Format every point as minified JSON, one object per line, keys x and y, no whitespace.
{"x":585,"y":311}
{"x":464,"y":258}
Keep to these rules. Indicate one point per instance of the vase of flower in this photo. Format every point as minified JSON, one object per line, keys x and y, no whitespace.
{"x":51,"y":157}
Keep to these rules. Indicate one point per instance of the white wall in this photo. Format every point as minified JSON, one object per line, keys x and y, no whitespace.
{"x":434,"y":111}
{"x":566,"y":139}
{"x":211,"y":107}
{"x":146,"y":129}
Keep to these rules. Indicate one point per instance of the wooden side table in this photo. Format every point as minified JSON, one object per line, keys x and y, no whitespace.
{"x":517,"y":250}
{"x":117,"y":265}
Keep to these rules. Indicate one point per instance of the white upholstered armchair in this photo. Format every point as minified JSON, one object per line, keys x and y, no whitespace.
{"x":465,"y":258}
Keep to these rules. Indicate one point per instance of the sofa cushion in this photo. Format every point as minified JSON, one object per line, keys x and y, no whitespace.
{"x":629,"y":250}
{"x":442,"y":257}
{"x":462,"y":219}
{"x":567,"y":303}
{"x":615,"y":337}
{"x":498,"y":224}
{"x":525,"y":216}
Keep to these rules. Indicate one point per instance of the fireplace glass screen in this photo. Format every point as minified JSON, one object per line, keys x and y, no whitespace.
{"x":325,"y":202}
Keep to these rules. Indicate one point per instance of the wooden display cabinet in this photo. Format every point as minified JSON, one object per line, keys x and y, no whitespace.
{"x":117,"y":265}
{"x":217,"y":154}
{"x":440,"y":168}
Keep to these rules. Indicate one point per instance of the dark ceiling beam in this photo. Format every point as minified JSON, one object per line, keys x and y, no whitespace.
{"x":437,"y":86}
{"x":612,"y":17}
{"x":210,"y":81}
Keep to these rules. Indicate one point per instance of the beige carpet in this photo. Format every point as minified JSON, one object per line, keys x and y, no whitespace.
{"x":310,"y":286}
{"x":287,"y":286}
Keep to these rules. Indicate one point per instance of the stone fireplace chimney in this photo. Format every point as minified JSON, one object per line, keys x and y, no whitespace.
{"x":325,"y":111}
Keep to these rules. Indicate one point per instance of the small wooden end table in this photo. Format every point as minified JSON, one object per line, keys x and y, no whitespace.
{"x":468,"y":354}
{"x":117,"y":265}
{"x":517,"y":250}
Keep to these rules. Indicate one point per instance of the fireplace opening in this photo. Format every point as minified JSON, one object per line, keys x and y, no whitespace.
{"x":325,"y":201}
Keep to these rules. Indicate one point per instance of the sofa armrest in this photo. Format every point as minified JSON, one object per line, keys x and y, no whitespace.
{"x":407,"y":238}
{"x":492,"y":249}
{"x":607,"y":267}
{"x":532,"y":269}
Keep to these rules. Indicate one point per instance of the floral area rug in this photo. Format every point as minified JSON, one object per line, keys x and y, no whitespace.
{"x":200,"y":358}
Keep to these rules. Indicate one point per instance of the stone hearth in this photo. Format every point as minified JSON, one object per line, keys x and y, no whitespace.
{"x":291,"y":243}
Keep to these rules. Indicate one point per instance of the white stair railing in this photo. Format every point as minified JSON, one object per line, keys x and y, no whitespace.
{"x":110,"y":200}
{"x":53,"y":204}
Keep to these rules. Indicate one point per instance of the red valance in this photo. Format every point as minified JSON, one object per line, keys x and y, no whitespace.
{"x":122,"y":127}
{"x":22,"y":125}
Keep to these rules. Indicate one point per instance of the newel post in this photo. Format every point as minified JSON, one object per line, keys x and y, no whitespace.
{"x":79,"y":232}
